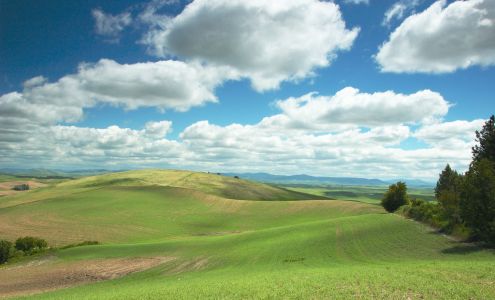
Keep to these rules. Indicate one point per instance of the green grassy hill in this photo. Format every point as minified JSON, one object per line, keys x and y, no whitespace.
{"x":208,"y":183}
{"x":223,"y":247}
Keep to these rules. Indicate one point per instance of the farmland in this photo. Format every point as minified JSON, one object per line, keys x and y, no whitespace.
{"x":198,"y":235}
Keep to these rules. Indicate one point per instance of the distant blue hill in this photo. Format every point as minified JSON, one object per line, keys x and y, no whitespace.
{"x":307,"y":179}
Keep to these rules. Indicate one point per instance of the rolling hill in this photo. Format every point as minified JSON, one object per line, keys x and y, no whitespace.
{"x":303,"y":179}
{"x":211,"y":240}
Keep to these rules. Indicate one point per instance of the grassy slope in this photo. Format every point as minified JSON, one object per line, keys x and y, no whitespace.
{"x":244,"y":249}
{"x":373,"y":256}
{"x":219,"y":185}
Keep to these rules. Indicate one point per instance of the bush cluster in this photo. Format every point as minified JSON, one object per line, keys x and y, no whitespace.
{"x":424,"y":211}
{"x":21,"y":187}
{"x":26,"y":245}
{"x":29,"y":244}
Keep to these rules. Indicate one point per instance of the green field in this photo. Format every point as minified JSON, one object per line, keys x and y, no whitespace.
{"x":368,"y":194}
{"x":235,"y":239}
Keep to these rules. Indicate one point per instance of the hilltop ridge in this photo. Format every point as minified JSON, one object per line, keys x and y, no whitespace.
{"x":209,"y":183}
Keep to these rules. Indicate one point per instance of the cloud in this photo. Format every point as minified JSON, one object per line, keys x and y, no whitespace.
{"x":375,"y":152}
{"x":82,"y":147}
{"x":303,"y":138}
{"x":351,"y":107}
{"x":265,"y":41}
{"x":165,"y":85}
{"x":398,"y":10}
{"x":38,"y":80}
{"x":158,"y":129}
{"x":150,"y":14}
{"x":110,"y":26}
{"x":455,"y":134}
{"x":442,"y":39}
{"x":347,"y":134}
{"x":357,"y":1}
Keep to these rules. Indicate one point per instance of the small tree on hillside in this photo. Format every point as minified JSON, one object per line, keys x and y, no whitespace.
{"x":395,"y":197}
{"x":446,"y":180}
{"x":486,"y":142}
{"x":478,"y":200}
{"x":448,"y":193}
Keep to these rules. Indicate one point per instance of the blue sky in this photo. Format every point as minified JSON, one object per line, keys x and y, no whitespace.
{"x":210,"y":117}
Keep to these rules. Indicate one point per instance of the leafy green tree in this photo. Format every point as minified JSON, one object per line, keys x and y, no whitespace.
{"x":448,"y":194}
{"x":5,"y":250}
{"x":478,"y":200}
{"x":395,"y":197}
{"x":486,"y":142}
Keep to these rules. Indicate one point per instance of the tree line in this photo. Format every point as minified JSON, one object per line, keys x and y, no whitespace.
{"x":27,"y":245}
{"x":465,"y":202}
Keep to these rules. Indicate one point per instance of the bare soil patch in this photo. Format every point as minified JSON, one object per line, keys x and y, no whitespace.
{"x":6,"y":188}
{"x":10,"y":184}
{"x":49,"y":274}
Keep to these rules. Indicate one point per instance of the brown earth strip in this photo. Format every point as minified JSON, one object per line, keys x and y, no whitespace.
{"x":49,"y":274}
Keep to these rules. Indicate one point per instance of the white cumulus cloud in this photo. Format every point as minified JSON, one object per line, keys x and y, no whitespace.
{"x":165,"y":85}
{"x":460,"y":134}
{"x":347,"y":134}
{"x":266,"y":41}
{"x":352,"y":107}
{"x":442,"y":39}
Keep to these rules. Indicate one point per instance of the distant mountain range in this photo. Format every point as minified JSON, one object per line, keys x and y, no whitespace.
{"x":319,"y":180}
{"x":261,"y":177}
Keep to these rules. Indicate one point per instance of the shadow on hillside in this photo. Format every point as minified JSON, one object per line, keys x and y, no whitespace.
{"x":464,"y":249}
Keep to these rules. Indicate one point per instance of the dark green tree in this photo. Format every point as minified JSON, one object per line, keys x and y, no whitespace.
{"x":485,"y":149}
{"x":5,"y":248}
{"x":448,"y":194}
{"x":446,"y":180}
{"x":395,"y":197}
{"x":477,"y":205}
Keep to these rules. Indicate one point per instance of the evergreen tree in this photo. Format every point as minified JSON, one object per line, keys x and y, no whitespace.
{"x":448,"y":193}
{"x":478,"y":200}
{"x":486,"y":142}
{"x":446,"y":181}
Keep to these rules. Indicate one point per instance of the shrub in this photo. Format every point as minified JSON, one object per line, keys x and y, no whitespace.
{"x":21,"y":187}
{"x":29,"y":244}
{"x":5,"y":250}
{"x":427,"y":212}
{"x":395,"y":197}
